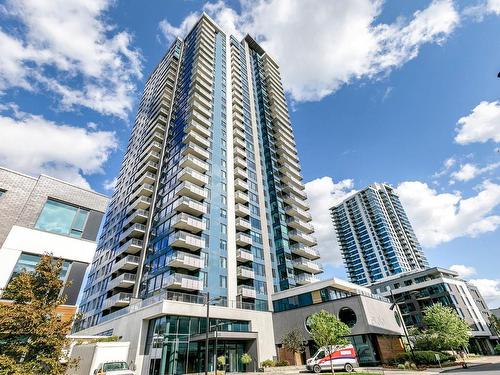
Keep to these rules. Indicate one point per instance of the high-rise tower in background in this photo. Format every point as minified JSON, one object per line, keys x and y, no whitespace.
{"x":375,"y":235}
{"x":209,"y":197}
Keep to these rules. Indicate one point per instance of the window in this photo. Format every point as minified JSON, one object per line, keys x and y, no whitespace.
{"x":347,"y":316}
{"x":62,"y":218}
{"x":28,"y":262}
{"x":223,"y":282}
{"x":2,"y":192}
{"x":223,"y":262}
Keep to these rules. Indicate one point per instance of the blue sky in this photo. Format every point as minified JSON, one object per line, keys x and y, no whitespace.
{"x":403,"y":92}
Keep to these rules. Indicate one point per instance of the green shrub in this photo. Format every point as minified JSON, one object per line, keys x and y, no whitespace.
{"x":497,"y":349}
{"x":268,"y":363}
{"x":423,"y":358}
{"x":401,"y":366}
{"x":283,"y":362}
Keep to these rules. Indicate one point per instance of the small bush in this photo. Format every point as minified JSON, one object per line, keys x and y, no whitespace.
{"x":423,"y":358}
{"x":268,"y":363}
{"x":401,"y":366}
{"x":283,"y":362}
{"x":497,"y":349}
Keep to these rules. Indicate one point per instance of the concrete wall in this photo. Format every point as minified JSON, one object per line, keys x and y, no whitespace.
{"x":373,"y":316}
{"x":133,"y":326}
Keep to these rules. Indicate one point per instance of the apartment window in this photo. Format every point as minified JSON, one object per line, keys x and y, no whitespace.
{"x":223,"y":262}
{"x":2,"y":192}
{"x":61,"y":218}
{"x":223,"y":282}
{"x":28,"y":263}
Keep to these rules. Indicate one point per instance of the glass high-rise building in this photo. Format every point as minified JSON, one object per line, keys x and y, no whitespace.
{"x":209,"y":197}
{"x":375,"y":236}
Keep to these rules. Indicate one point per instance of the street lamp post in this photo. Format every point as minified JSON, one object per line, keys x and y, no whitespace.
{"x":395,"y":305}
{"x":207,"y":302}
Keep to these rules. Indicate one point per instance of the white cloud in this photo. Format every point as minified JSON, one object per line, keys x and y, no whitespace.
{"x":58,"y":150}
{"x":323,"y":45}
{"x":67,"y":47}
{"x":447,"y":165}
{"x":469,"y":171}
{"x":483,"y":9}
{"x":442,"y":217}
{"x":481,"y":125}
{"x":490,"y":290}
{"x":110,"y":185}
{"x":322,"y":194}
{"x":463,"y":270}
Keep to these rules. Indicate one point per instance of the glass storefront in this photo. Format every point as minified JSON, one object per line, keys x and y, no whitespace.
{"x":174,"y":345}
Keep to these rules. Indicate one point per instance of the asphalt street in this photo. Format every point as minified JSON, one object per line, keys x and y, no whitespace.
{"x":488,"y":368}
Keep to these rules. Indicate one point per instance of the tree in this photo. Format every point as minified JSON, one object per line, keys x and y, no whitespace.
{"x":293,"y":341}
{"x":32,"y":334}
{"x":443,"y":330}
{"x":328,"y":331}
{"x":495,"y":324}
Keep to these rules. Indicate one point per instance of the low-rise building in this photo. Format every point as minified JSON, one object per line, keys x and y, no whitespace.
{"x":40,"y":215}
{"x":376,"y":329}
{"x":415,"y":291}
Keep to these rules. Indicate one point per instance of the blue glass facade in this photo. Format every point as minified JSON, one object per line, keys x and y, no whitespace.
{"x":375,"y":236}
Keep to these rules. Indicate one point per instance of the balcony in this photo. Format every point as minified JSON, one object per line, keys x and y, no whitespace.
{"x":307,"y":266}
{"x":140,"y":203}
{"x":188,"y":174}
{"x":305,"y":278}
{"x":195,"y":150}
{"x":132,"y":246}
{"x":151,"y":156}
{"x":149,"y":166}
{"x":241,"y":210}
{"x":153,"y":146}
{"x":243,"y":256}
{"x":240,"y":162}
{"x":293,"y":190}
{"x":240,"y":173}
{"x":118,"y":300}
{"x":188,"y":222}
{"x":181,"y":281}
{"x":199,"y":129}
{"x":288,"y":179}
{"x":300,"y":225}
{"x":190,"y":161}
{"x":292,"y":200}
{"x":304,"y":251}
{"x":243,"y":272}
{"x":243,"y":239}
{"x":186,"y":261}
{"x":130,"y":262}
{"x":242,"y":224}
{"x":240,"y":152}
{"x":137,"y":216}
{"x":190,"y":206}
{"x":125,"y":280}
{"x":240,"y":185}
{"x":146,"y":178}
{"x":136,"y":230}
{"x":301,"y":237}
{"x":197,"y":99}
{"x":297,"y":212}
{"x":188,"y":189}
{"x":241,"y":197}
{"x":186,"y":241}
{"x":144,"y":190}
{"x":246,"y":291}
{"x":192,"y":137}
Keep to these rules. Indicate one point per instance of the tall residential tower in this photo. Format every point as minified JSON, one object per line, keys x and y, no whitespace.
{"x":375,"y":235}
{"x":209,"y":197}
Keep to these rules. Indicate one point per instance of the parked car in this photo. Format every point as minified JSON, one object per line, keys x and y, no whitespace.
{"x":343,"y":358}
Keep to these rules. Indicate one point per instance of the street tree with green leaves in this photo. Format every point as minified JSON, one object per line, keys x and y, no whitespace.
{"x":328,"y":331}
{"x":32,"y":333}
{"x":293,"y":341}
{"x":443,"y":330}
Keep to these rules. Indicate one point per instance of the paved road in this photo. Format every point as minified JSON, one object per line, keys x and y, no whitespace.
{"x":488,"y":368}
